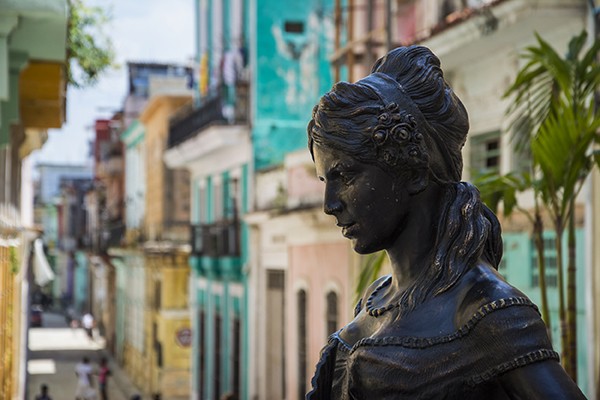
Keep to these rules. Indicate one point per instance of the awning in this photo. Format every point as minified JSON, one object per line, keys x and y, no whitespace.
{"x":41,"y":268}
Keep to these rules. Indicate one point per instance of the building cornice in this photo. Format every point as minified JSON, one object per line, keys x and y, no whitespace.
{"x":204,"y":149}
{"x":468,"y":39}
{"x":157,"y":102}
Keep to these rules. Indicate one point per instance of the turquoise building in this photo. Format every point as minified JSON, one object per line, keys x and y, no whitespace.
{"x":261,"y":65}
{"x":519,"y":267}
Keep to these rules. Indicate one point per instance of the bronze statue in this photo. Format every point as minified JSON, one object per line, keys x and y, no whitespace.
{"x":444,"y":324}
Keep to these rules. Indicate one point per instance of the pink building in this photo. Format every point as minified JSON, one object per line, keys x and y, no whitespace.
{"x":302,"y":278}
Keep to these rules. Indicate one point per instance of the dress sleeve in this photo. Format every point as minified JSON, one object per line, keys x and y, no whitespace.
{"x":508,"y":337}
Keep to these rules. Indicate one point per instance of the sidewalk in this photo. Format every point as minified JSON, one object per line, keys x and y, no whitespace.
{"x":119,"y":378}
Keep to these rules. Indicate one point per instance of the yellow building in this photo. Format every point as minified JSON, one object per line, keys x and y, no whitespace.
{"x":32,"y":99}
{"x":167,"y":323}
{"x":167,"y":190}
{"x":160,"y":363}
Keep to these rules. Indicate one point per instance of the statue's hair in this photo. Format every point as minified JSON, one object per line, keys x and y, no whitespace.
{"x":467,"y":232}
{"x":344,"y":119}
{"x":418,"y":72}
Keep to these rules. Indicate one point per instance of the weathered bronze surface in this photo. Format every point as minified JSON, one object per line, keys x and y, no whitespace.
{"x":444,"y":324}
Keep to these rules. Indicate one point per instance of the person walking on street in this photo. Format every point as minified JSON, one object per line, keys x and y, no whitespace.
{"x":43,"y":393}
{"x":85,"y":389}
{"x":103,"y":374}
{"x":88,"y":324}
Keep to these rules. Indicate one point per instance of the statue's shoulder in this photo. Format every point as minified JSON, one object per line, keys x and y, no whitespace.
{"x":483,"y":290}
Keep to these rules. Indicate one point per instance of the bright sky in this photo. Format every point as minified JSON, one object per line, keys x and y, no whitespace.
{"x":143,"y":31}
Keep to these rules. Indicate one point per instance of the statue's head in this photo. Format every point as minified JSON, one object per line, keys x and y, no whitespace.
{"x":403,"y":117}
{"x":388,"y":148}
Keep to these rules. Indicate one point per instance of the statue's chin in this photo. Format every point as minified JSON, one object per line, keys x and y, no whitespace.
{"x":364,"y":249}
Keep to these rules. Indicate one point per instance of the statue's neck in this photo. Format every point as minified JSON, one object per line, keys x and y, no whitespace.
{"x":413,"y":249}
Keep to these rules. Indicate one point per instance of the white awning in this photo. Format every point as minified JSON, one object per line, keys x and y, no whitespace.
{"x":41,"y":268}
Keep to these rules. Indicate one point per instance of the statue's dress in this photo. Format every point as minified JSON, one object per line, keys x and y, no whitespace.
{"x":494,"y":329}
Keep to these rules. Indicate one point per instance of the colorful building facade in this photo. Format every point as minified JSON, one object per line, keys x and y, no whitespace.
{"x":212,"y":141}
{"x":261,"y":66}
{"x":33,"y":39}
{"x":152,"y":327}
{"x":303,"y":272}
{"x":479,"y":47}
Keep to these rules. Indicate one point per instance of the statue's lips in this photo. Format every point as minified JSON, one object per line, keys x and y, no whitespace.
{"x":348,"y":229}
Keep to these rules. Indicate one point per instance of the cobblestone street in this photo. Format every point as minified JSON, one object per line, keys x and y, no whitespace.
{"x":55,"y":349}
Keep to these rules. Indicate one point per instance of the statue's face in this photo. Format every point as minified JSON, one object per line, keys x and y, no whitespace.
{"x":370,"y":204}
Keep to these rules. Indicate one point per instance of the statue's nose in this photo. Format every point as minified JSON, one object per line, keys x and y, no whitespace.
{"x":332,"y":204}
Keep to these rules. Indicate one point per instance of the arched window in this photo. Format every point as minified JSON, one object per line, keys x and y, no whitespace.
{"x":302,"y":332}
{"x":332,"y":312}
{"x":217,"y":362}
{"x":201,"y":352}
{"x":237,"y":352}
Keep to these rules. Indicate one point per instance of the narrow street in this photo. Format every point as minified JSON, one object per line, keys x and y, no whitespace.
{"x":55,"y":349}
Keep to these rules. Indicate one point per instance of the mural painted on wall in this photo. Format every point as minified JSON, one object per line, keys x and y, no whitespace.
{"x":293,"y":46}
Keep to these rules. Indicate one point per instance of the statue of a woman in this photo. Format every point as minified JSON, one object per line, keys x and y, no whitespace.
{"x":444,"y":324}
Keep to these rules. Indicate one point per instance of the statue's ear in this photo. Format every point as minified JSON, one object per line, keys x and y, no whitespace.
{"x":418,"y":181}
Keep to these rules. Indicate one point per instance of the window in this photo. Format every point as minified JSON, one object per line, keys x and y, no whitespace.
{"x":302,"y":332}
{"x":201,"y":353}
{"x":549,"y":257}
{"x":485,"y":153}
{"x":275,"y":334}
{"x":294,"y":27}
{"x":237,"y":350}
{"x":157,"y":295}
{"x":217,"y":200}
{"x":202,"y":215}
{"x":275,"y":279}
{"x":217,"y":371}
{"x":157,"y":345}
{"x":332,"y":312}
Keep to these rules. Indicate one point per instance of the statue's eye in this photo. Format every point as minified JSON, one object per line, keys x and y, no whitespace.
{"x":345,"y":177}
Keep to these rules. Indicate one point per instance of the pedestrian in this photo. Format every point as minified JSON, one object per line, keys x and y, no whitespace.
{"x":85,"y":389}
{"x":88,"y":324}
{"x":43,"y":393}
{"x":103,"y":375}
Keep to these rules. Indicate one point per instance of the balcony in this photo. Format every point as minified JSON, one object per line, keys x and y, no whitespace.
{"x":221,"y":239}
{"x":214,"y":111}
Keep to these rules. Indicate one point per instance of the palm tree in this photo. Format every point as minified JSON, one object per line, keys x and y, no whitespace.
{"x":554,"y":112}
{"x":495,"y":189}
{"x":553,"y":115}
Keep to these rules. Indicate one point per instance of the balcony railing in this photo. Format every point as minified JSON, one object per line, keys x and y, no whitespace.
{"x":211,"y":112}
{"x":221,"y":239}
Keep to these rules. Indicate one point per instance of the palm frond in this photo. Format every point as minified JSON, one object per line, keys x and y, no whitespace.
{"x":370,"y":270}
